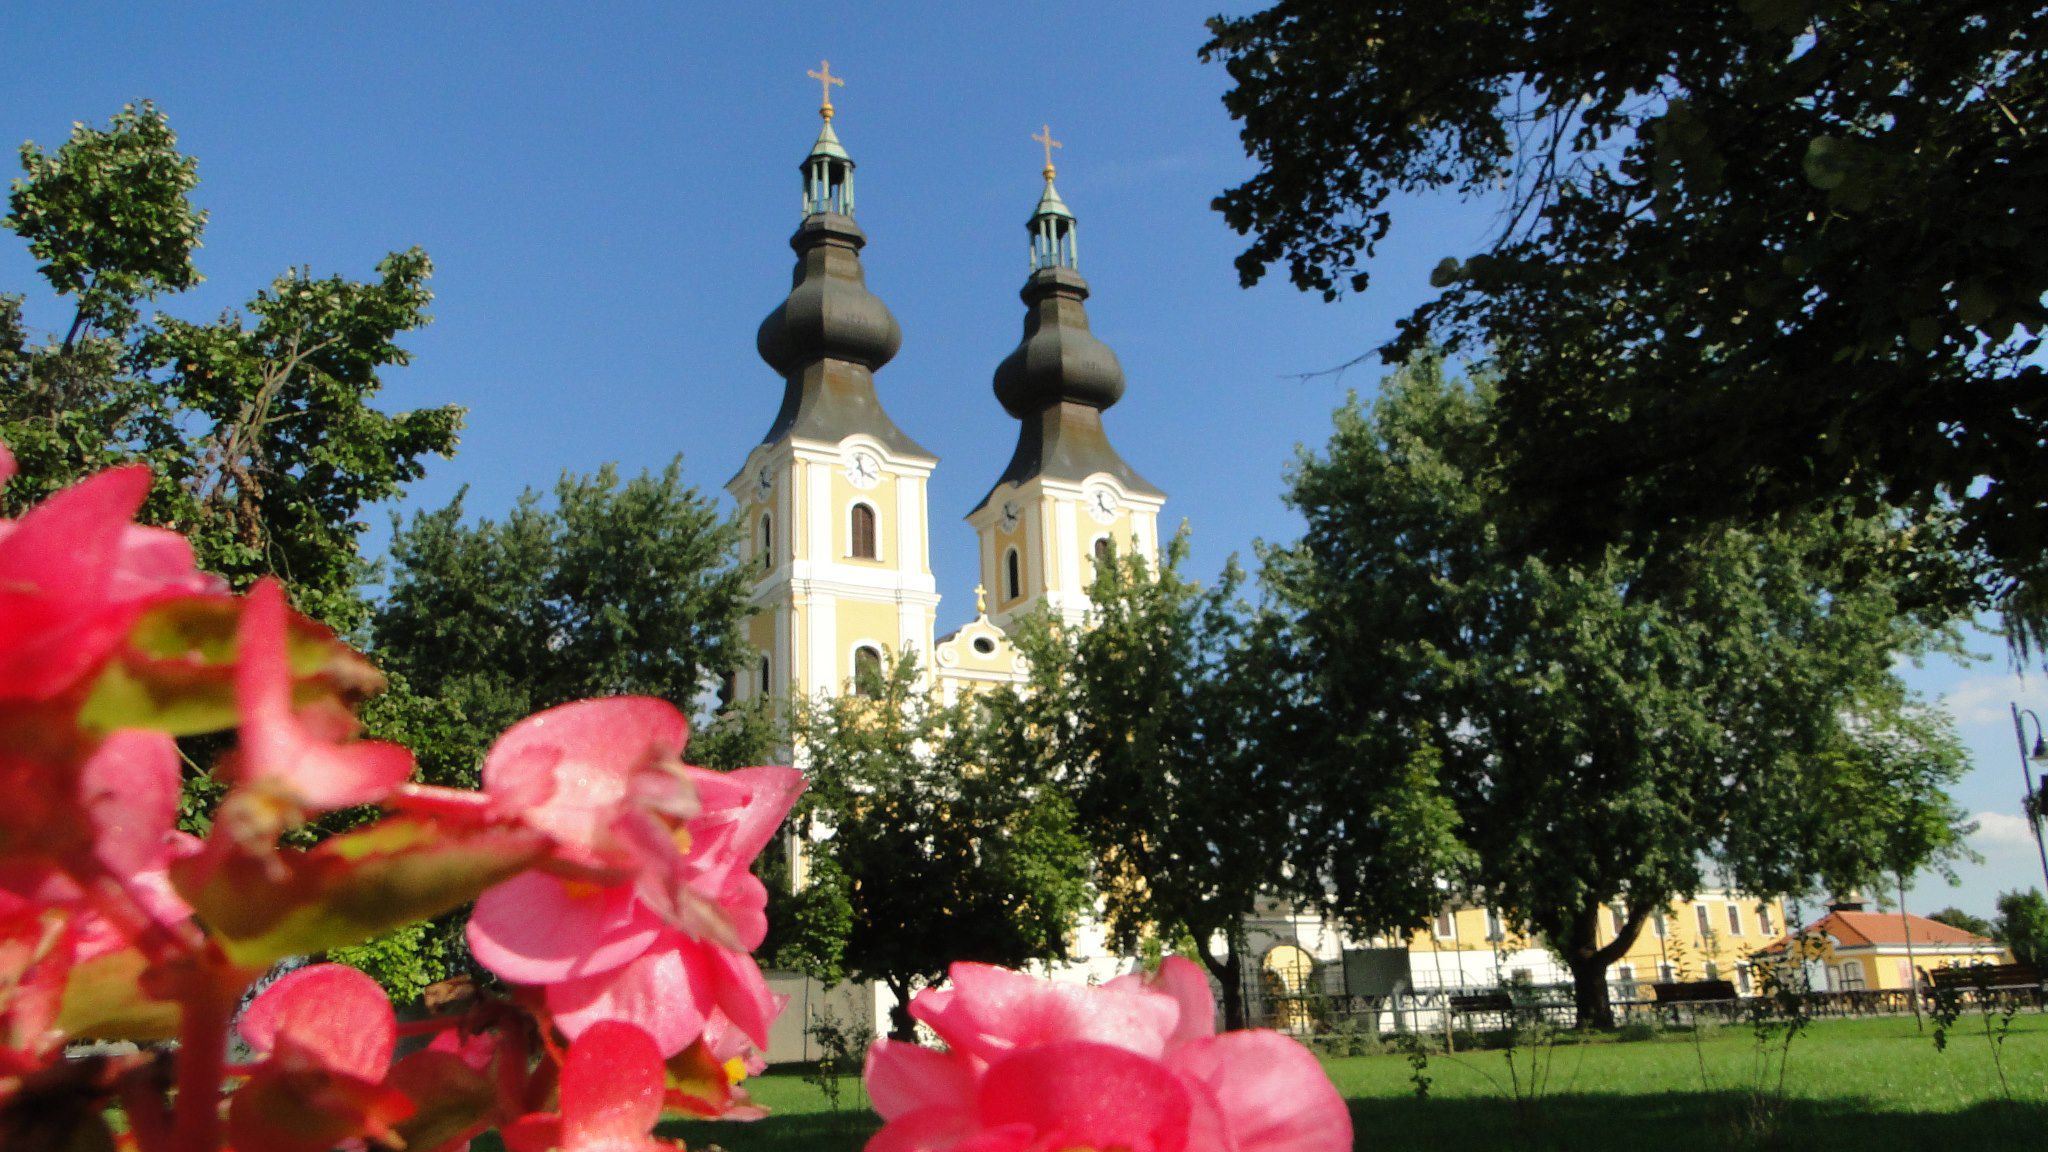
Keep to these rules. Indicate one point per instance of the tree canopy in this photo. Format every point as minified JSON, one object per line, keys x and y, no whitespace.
{"x":944,"y":845}
{"x":2023,"y":925}
{"x":1557,"y":738}
{"x":1165,"y":716}
{"x":259,"y":423}
{"x":1754,"y":255}
{"x":615,"y":588}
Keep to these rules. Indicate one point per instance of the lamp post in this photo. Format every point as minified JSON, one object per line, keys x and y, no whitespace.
{"x":2027,"y":761}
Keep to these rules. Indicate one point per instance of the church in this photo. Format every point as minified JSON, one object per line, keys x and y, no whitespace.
{"x":834,"y":497}
{"x":838,"y":533}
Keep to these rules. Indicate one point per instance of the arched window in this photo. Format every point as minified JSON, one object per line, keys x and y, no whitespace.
{"x":766,"y":680}
{"x":767,"y":541}
{"x":867,"y":671}
{"x":861,"y":532}
{"x":1013,"y":575}
{"x":1105,"y":553}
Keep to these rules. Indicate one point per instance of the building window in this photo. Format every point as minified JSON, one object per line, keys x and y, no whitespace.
{"x":1446,"y":924}
{"x":1624,"y":974}
{"x":767,"y":541}
{"x":767,"y":680}
{"x":1105,"y":553}
{"x":1764,"y":921}
{"x":1734,"y":919}
{"x":1664,"y":973}
{"x":1493,"y":925}
{"x":1706,"y":923}
{"x":1013,"y":575}
{"x":861,"y":530}
{"x":1742,"y":981}
{"x":867,"y":671}
{"x":1658,"y":925}
{"x":1713,"y":970}
{"x":1852,"y":976}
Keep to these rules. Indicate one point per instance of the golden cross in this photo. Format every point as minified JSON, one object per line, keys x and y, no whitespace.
{"x":1044,"y":136}
{"x":823,"y":75}
{"x":980,"y":600}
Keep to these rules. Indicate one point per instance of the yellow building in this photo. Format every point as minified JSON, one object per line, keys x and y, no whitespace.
{"x":834,"y":497}
{"x":1881,"y":950}
{"x":1709,"y":937}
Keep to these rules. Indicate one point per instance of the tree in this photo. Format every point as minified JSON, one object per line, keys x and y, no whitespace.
{"x":2023,"y":925}
{"x":1164,"y":716}
{"x":1592,"y":735}
{"x":259,"y":424}
{"x":1754,"y":254}
{"x":944,"y":847}
{"x":1957,"y":918}
{"x":618,"y":588}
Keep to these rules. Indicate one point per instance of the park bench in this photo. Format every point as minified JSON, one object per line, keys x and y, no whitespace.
{"x":1498,"y":1005}
{"x":1991,"y":976}
{"x":1693,"y":992}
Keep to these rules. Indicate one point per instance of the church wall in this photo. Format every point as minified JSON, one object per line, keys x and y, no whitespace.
{"x":864,"y":620}
{"x":883,"y":499}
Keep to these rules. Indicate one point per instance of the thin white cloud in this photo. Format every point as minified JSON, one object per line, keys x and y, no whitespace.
{"x":1987,"y":699}
{"x":1998,"y":831}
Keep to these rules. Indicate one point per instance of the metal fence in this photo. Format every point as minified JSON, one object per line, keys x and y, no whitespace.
{"x":1327,"y":1008}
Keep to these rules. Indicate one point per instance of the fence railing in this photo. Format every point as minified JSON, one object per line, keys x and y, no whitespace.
{"x":1482,"y":1009}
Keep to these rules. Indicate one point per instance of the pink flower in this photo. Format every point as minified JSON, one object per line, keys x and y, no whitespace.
{"x":326,"y":1033}
{"x":75,"y":572}
{"x":647,"y":908}
{"x":1034,"y":1066}
{"x":611,"y":1092}
{"x":298,"y":760}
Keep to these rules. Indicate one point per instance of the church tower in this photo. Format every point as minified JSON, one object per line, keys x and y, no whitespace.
{"x":1067,"y":499}
{"x":834,"y":497}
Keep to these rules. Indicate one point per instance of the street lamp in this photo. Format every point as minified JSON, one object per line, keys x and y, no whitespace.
{"x":2028,"y":759}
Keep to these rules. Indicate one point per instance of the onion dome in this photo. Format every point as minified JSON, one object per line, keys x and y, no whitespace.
{"x":1059,"y":359}
{"x":1060,"y":378}
{"x":829,"y":313}
{"x":830,"y":334}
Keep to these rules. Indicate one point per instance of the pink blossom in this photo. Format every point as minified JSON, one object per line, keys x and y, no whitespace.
{"x":1032,"y":1066}
{"x":299,"y":760}
{"x":648,"y":906}
{"x":75,"y":572}
{"x":326,"y":1033}
{"x":611,"y":1093}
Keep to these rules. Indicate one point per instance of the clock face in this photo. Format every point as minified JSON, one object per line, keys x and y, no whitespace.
{"x":764,"y":483}
{"x":1010,"y":516}
{"x":1102,"y":505}
{"x":863,"y":470}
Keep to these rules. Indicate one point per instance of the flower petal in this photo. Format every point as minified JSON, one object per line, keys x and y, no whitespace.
{"x":539,"y":929}
{"x":1082,"y":1094}
{"x":660,"y":994}
{"x":329,"y":1016}
{"x":1271,"y":1092}
{"x":902,"y":1078}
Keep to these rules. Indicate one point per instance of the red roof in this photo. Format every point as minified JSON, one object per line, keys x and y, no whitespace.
{"x":1889,"y":929}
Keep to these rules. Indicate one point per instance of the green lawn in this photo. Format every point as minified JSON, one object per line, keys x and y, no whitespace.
{"x":1851,"y":1084}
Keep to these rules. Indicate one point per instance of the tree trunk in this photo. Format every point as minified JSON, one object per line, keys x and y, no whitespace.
{"x":902,"y":1026}
{"x":1589,"y":961}
{"x":1229,"y":972}
{"x":1589,"y":993}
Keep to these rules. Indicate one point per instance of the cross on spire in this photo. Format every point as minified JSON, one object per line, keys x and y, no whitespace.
{"x":823,"y":75}
{"x":1044,"y":136}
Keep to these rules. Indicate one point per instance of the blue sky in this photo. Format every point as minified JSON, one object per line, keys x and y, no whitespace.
{"x":607,"y":192}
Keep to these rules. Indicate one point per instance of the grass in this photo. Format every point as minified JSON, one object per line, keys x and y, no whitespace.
{"x":1866,"y":1085}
